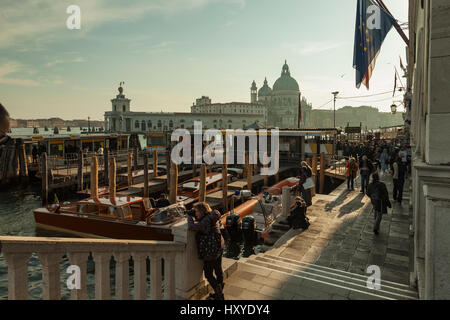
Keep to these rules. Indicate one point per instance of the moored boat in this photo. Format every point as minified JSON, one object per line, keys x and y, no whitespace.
{"x":121,"y":218}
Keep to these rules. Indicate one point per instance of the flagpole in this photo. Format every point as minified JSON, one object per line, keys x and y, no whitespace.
{"x":396,"y":25}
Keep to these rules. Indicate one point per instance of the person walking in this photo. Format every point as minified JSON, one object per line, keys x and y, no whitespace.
{"x":297,"y":218}
{"x":210,"y":244}
{"x":352,"y":170}
{"x":398,"y":175}
{"x":365,"y":169}
{"x":384,"y":160}
{"x":379,"y":197}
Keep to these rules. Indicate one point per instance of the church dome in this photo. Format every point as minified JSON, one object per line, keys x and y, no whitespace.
{"x":265,"y":90}
{"x":285,"y":82}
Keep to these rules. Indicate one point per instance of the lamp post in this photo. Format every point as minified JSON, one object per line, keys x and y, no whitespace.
{"x":394,"y":108}
{"x":334,"y":108}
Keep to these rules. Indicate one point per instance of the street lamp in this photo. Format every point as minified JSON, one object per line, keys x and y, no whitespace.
{"x":334,"y":108}
{"x":394,"y":108}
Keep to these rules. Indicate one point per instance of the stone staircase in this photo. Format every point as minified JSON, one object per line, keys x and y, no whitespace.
{"x":281,"y":278}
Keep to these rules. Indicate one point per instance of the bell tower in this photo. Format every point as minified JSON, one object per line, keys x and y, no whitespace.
{"x":253,"y":92}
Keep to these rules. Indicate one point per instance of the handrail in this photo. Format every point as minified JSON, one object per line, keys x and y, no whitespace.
{"x":17,"y":251}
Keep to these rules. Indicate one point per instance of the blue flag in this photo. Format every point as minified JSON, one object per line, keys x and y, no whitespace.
{"x":372,"y":25}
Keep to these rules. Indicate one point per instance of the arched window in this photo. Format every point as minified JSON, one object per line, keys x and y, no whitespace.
{"x":171,"y":124}
{"x":159,"y":124}
{"x":149,"y":124}
{"x":136,"y":124}
{"x":124,"y":108}
{"x":143,"y":126}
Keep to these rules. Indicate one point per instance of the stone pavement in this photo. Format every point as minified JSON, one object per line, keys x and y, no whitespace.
{"x":330,"y":259}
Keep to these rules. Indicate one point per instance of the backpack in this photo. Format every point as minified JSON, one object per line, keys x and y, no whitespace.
{"x":209,"y":244}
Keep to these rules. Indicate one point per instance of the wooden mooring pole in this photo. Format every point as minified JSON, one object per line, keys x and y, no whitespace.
{"x":145,"y":175}
{"x":106,"y":166}
{"x":202,"y":191}
{"x":322,"y":172}
{"x":44,"y":173}
{"x":112,"y":178}
{"x":94,"y":177}
{"x":155,"y":163}
{"x":314,"y":174}
{"x":173,"y":189}
{"x":225,"y":187}
{"x":23,"y":161}
{"x":80,"y":170}
{"x":130,"y":169}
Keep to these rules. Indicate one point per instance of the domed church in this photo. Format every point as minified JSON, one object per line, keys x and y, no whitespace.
{"x":282,"y":102}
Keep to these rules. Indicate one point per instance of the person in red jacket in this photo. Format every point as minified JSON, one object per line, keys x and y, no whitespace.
{"x":352,"y":170}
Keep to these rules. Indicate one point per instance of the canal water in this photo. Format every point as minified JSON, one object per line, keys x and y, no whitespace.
{"x":16,"y":219}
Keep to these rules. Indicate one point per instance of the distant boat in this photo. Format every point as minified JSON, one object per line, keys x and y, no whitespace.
{"x":35,"y":130}
{"x":55,"y":130}
{"x":46,"y":128}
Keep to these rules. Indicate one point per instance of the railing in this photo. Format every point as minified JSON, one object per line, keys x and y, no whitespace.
{"x":17,"y":251}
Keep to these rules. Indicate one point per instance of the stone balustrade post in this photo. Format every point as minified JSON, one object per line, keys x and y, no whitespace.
{"x":155,"y":276}
{"x":80,"y":259}
{"x":189,"y":267}
{"x":50,"y":275}
{"x":140,"y":275}
{"x":102,"y":281}
{"x":169,"y":276}
{"x":17,"y":275}
{"x":122,"y":276}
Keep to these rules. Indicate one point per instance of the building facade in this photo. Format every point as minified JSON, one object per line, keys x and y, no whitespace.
{"x":428,"y":115}
{"x":277,"y":107}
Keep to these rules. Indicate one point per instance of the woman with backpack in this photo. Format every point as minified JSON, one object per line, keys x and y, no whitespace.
{"x":210,"y":244}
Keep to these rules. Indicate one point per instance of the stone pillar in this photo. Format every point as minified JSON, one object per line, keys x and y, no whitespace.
{"x":155,"y":276}
{"x":189,"y":268}
{"x":102,"y":280}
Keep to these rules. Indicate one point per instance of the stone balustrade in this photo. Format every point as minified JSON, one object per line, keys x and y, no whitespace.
{"x":17,"y":251}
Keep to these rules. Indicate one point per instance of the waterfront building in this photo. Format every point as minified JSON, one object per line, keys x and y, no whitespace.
{"x":428,"y":115}
{"x":277,"y":107}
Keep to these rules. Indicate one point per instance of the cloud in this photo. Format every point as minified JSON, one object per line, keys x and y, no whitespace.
{"x":31,"y":24}
{"x":12,"y":67}
{"x":60,"y":61}
{"x":312,"y":48}
{"x":161,"y":47}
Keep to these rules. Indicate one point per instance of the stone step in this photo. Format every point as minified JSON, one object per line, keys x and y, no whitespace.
{"x":332,"y":280}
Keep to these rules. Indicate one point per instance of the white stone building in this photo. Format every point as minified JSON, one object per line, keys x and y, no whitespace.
{"x":428,"y":113}
{"x":267,"y":108}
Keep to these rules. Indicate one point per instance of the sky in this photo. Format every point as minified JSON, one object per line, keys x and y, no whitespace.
{"x":170,"y":52}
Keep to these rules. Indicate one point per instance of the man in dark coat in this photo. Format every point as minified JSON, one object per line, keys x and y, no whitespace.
{"x":379,"y":198}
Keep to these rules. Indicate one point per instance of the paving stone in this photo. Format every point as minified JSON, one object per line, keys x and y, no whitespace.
{"x":245,"y":275}
{"x":232,"y":290}
{"x":244,"y":284}
{"x":269,"y":282}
